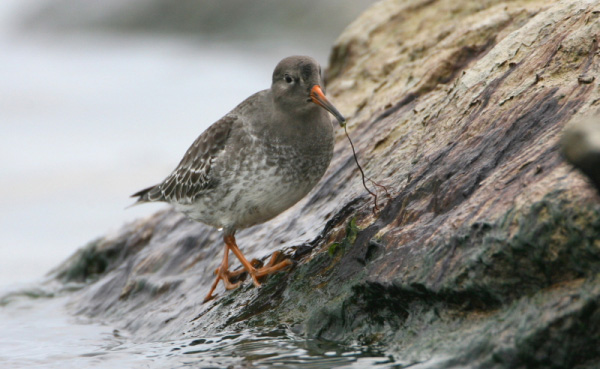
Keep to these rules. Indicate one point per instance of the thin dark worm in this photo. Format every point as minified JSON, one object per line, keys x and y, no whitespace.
{"x":362,"y":173}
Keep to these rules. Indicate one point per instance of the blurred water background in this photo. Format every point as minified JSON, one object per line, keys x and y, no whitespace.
{"x":101,"y":99}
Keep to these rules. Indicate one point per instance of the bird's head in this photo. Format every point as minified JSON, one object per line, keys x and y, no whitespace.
{"x":297,"y":86}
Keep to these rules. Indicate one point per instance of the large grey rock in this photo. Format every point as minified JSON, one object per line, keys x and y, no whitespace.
{"x":486,"y":255}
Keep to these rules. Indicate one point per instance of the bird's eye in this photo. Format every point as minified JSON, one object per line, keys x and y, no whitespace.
{"x":288,"y":79}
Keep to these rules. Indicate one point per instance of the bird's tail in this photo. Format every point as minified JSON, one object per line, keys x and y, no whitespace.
{"x":142,"y":196}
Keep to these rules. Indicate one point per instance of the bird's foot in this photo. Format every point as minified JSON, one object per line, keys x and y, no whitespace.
{"x":256,"y":272}
{"x":257,"y":264}
{"x":271,"y":267}
{"x":224,"y":275}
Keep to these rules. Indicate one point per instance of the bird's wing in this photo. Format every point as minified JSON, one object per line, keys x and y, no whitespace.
{"x":193,"y":174}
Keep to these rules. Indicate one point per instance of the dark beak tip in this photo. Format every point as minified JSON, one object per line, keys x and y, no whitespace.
{"x":317,"y":96}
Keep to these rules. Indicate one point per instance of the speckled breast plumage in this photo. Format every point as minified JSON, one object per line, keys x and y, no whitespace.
{"x":261,"y":185}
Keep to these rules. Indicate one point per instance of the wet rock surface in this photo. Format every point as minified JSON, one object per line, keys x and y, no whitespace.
{"x":487,"y":252}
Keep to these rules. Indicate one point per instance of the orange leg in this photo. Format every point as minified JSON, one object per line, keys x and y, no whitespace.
{"x":270,"y":268}
{"x":224,"y":274}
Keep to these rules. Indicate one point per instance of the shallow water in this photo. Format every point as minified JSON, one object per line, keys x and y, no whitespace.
{"x":37,"y":332}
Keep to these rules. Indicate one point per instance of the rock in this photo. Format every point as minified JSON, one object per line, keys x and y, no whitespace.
{"x":485,"y":256}
{"x":581,"y":146}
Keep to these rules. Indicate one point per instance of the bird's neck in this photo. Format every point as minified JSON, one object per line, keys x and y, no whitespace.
{"x":303,"y":123}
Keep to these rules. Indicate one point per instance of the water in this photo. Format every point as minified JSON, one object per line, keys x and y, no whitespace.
{"x":56,"y":339}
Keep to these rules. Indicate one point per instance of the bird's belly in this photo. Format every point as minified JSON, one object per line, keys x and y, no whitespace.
{"x":252,"y":197}
{"x":255,"y":202}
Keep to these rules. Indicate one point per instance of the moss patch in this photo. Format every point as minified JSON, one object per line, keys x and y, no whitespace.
{"x":89,"y":262}
{"x":553,"y":241}
{"x":351,"y":232}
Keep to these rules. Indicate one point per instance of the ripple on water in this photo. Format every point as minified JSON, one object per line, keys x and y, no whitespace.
{"x":39,"y":333}
{"x":277,"y":348}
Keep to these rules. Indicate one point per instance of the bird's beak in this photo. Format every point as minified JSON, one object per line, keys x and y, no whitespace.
{"x":318,"y":97}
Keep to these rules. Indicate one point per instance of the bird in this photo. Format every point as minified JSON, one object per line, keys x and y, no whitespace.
{"x":255,"y":162}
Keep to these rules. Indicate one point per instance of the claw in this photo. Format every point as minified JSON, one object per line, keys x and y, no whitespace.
{"x":255,"y":268}
{"x":270,"y":269}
